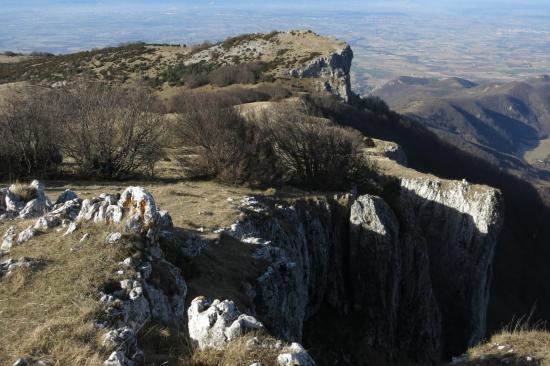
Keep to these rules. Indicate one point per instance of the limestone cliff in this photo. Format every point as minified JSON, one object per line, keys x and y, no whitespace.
{"x":332,"y":70}
{"x":406,"y":276}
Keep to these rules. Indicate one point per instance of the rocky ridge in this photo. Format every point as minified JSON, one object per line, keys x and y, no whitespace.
{"x":410,"y":273}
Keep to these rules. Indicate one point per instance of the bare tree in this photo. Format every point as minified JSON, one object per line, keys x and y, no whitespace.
{"x":314,"y":152}
{"x":222,"y":145}
{"x":30,"y":134}
{"x":112,"y":131}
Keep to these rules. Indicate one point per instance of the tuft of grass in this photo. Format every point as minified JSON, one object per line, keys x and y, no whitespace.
{"x":238,"y":353}
{"x":522,"y":342}
{"x":24,"y":191}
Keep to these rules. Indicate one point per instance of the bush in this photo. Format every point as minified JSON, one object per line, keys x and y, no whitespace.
{"x":315,"y":153}
{"x":112,"y":132}
{"x":222,"y":145}
{"x":30,"y":135}
{"x":374,"y":104}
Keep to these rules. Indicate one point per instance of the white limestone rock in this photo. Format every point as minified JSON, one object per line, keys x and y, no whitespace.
{"x":47,"y":222}
{"x":26,"y":235}
{"x":113,"y":238}
{"x":333,"y":72}
{"x":71,"y":228}
{"x":8,"y":240}
{"x":65,"y":196}
{"x":140,"y":203}
{"x":214,"y":324}
{"x":33,"y":208}
{"x":295,"y":355}
{"x":166,"y":291}
{"x":118,"y":358}
{"x":12,"y":201}
{"x":8,"y":266}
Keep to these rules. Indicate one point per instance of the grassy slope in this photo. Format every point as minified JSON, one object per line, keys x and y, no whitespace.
{"x":521,"y":347}
{"x":48,"y":312}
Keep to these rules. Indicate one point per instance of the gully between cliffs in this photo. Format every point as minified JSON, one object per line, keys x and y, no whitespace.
{"x":365,"y":279}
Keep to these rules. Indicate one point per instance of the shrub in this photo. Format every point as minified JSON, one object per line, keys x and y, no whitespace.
{"x":222,"y":145}
{"x":315,"y":153}
{"x":112,"y":132}
{"x":374,"y":104}
{"x":30,"y":135}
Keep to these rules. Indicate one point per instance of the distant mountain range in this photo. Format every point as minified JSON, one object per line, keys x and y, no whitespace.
{"x":505,"y":123}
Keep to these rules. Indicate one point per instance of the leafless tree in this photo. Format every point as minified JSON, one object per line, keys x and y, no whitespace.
{"x":112,"y":131}
{"x":30,"y":134}
{"x":314,"y":152}
{"x":221,"y":144}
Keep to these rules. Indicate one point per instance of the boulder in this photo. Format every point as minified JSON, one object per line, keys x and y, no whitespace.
{"x":166,"y":291}
{"x":142,"y":211}
{"x":67,"y":210}
{"x":214,"y":324}
{"x":295,"y":355}
{"x":71,"y":229}
{"x":88,"y":210}
{"x":13,"y":202}
{"x":65,"y":196}
{"x":8,"y":266}
{"x":8,"y":240}
{"x":26,"y":235}
{"x":118,"y":358}
{"x":33,"y":208}
{"x":113,"y":238}
{"x":47,"y":222}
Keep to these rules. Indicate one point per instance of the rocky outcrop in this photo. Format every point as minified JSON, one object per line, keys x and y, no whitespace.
{"x":408,"y":279}
{"x":461,"y":223}
{"x":7,"y":267}
{"x":294,"y":355}
{"x":333,"y":72}
{"x":153,"y":290}
{"x":213,"y":324}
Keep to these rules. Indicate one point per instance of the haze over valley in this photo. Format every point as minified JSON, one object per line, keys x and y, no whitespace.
{"x":479,"y":41}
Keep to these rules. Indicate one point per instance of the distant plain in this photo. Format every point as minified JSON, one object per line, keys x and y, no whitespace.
{"x":388,"y":42}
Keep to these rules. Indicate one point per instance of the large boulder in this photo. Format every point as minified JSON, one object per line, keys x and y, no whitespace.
{"x":215,"y":324}
{"x":143,"y":216}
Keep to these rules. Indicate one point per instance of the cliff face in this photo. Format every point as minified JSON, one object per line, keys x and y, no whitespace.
{"x":333,"y":72}
{"x":405,"y":278}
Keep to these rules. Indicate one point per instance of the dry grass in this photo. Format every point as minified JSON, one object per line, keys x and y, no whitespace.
{"x":47,"y":313}
{"x":520,"y":343}
{"x":237,"y":353}
{"x":220,"y":271}
{"x":23,"y":191}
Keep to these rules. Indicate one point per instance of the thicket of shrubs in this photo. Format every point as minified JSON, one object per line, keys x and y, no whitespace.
{"x":104,"y":131}
{"x":232,"y":96}
{"x":285,"y":145}
{"x":202,"y":73}
{"x":107,"y":132}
